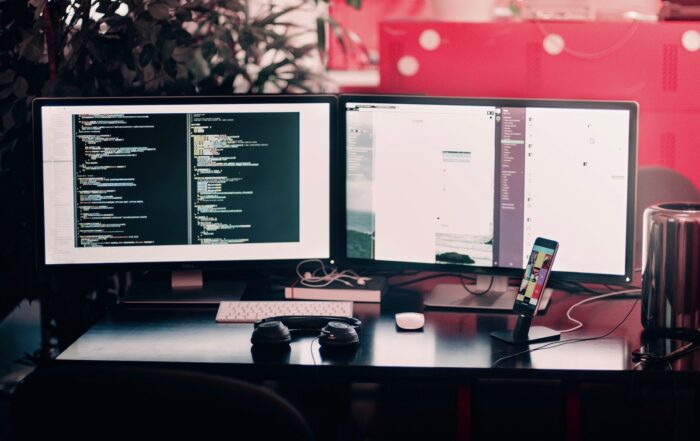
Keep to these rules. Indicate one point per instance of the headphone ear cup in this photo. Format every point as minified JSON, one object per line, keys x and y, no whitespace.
{"x":272,"y":333}
{"x":338,"y":334}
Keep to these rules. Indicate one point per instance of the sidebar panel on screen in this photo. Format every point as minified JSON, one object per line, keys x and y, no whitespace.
{"x":511,"y":197}
{"x":129,"y":180}
{"x":245,"y":177}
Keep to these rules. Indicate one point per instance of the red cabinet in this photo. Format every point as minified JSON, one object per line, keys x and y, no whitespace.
{"x":643,"y":62}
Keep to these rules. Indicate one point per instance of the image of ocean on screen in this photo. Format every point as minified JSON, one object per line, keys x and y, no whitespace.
{"x":360,"y":234}
{"x":463,"y":249}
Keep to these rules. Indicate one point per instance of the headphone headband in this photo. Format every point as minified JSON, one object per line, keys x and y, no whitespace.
{"x":310,"y":323}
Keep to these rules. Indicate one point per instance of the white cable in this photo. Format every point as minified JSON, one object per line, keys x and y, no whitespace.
{"x":579,"y":324}
{"x":600,"y":54}
{"x":321,"y":277}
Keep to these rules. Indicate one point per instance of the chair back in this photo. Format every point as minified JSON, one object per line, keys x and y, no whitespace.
{"x":78,"y":402}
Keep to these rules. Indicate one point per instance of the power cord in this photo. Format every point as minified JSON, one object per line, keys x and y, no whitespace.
{"x":579,"y":324}
{"x":556,"y":344}
{"x":579,"y":288}
{"x":571,"y":287}
{"x":649,"y":358}
{"x":424,"y":278}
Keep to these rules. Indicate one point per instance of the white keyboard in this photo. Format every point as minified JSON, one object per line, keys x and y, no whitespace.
{"x":249,"y":312}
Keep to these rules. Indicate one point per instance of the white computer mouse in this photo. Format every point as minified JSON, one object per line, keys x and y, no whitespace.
{"x":410,"y":321}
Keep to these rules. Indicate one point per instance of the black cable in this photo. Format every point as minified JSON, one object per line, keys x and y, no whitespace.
{"x":614,"y":286}
{"x":572,"y":287}
{"x":421,"y":279}
{"x":556,"y":344}
{"x":387,"y":273}
{"x":474,"y":293}
{"x":649,"y":358}
{"x":578,"y":288}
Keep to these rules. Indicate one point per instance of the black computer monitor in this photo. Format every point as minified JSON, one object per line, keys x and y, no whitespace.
{"x":183,"y":183}
{"x":456,"y":184}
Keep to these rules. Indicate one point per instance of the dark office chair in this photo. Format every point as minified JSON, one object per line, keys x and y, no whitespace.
{"x":657,"y":185}
{"x":125,"y":402}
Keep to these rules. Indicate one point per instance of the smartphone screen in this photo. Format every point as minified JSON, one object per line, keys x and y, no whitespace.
{"x":539,"y":266}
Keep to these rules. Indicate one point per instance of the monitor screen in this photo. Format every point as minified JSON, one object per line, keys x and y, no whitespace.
{"x":450,"y":183}
{"x":146,"y":180}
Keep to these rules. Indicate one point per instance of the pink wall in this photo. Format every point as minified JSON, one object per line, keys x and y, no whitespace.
{"x":643,"y":62}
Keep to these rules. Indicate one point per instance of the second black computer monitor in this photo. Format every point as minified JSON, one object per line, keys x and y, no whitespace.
{"x":463,"y":185}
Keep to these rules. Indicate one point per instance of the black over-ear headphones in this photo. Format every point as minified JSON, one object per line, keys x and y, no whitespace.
{"x":335,"y":331}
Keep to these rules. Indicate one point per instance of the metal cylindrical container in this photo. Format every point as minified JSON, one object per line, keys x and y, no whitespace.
{"x":671,"y":272}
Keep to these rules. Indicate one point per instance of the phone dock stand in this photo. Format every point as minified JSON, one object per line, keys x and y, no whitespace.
{"x":523,"y":333}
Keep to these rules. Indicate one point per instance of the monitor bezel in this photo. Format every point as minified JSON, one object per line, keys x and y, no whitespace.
{"x":40,"y":245}
{"x":630,"y":106}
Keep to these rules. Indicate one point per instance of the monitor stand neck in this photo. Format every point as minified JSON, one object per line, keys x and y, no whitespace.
{"x":186,"y":280}
{"x":184,"y":287}
{"x":496,"y":285}
{"x":492,"y":293}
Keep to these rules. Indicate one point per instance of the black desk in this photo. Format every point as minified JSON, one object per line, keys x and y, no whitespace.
{"x":455,"y":347}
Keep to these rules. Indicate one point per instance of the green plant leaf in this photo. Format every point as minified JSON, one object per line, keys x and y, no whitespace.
{"x":7,"y":76}
{"x":235,"y":5}
{"x":357,"y":4}
{"x":272,"y":18}
{"x":146,"y":55}
{"x":183,"y":37}
{"x":159,"y":11}
{"x":103,"y":6}
{"x":6,"y":92}
{"x":208,"y":50}
{"x":19,"y":110}
{"x":182,"y":54}
{"x":321,"y":35}
{"x":170,"y":67}
{"x":183,"y":14}
{"x":20,"y":87}
{"x":339,"y":35}
{"x":39,"y":7}
{"x":32,"y":47}
{"x":167,"y":48}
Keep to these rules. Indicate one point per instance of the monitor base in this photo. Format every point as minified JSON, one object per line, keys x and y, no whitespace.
{"x":500,"y":297}
{"x":184,"y":287}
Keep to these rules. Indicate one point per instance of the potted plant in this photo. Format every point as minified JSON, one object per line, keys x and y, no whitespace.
{"x":133,"y":47}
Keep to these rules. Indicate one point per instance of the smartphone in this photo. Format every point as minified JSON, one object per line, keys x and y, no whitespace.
{"x":537,"y":271}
